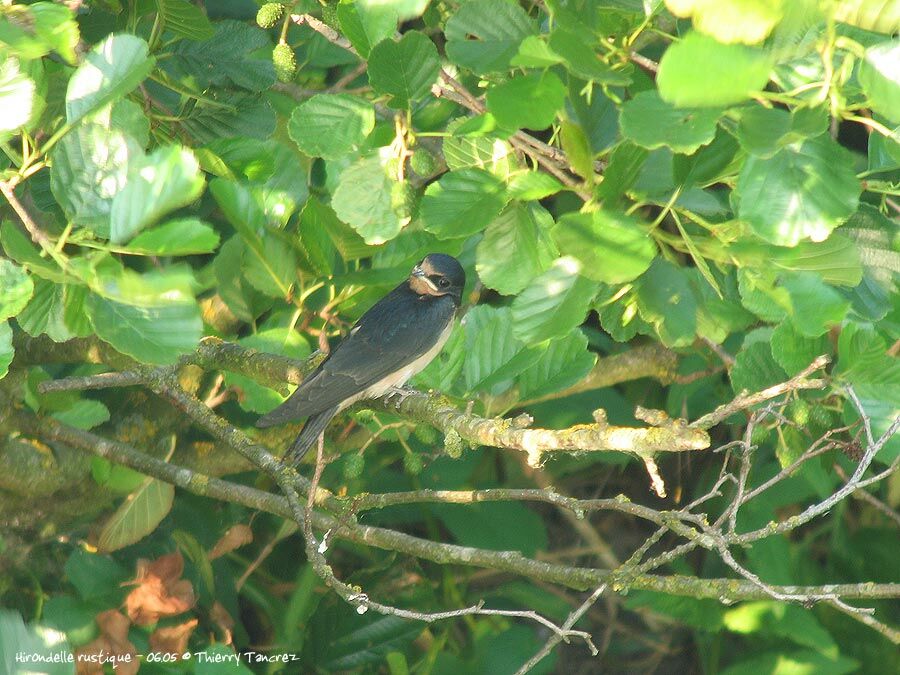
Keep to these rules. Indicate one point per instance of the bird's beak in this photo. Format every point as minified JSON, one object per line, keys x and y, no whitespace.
{"x":418,"y":272}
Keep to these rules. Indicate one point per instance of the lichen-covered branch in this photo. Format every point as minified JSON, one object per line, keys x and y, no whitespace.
{"x":342,"y":527}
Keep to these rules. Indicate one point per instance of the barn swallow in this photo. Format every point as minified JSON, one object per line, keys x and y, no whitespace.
{"x":389,"y":344}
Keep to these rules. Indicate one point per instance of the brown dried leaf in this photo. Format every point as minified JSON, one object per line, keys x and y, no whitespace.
{"x":172,"y":640}
{"x":220,"y":616}
{"x":112,"y":646}
{"x":160,"y":590}
{"x":235,"y":537}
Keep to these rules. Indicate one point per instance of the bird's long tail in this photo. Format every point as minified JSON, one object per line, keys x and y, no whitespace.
{"x":314,"y":426}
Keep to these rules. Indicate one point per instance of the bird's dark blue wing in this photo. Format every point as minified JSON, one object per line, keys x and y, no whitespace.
{"x":396,"y":331}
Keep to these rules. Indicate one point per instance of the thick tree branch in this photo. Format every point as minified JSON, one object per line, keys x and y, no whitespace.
{"x":50,"y":430}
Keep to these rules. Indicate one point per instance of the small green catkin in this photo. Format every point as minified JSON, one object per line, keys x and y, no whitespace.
{"x":269,"y":14}
{"x":285,"y":62}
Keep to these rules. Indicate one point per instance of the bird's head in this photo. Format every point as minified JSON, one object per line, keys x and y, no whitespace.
{"x":438,"y":274}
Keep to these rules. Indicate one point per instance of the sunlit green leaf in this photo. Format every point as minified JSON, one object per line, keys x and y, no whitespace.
{"x":461,"y":203}
{"x":405,"y":69}
{"x":515,"y":248}
{"x":166,"y":180}
{"x":528,"y":101}
{"x":699,"y":71}
{"x":16,"y":288}
{"x":553,"y":303}
{"x":138,"y":515}
{"x":611,"y":246}
{"x":802,"y":192}
{"x":110,"y":70}
{"x":370,"y":200}
{"x":331,"y":125}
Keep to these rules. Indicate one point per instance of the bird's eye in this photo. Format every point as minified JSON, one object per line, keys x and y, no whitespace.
{"x":443,"y":282}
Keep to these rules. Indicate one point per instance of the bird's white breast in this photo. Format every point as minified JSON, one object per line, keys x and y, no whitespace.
{"x":400,"y":377}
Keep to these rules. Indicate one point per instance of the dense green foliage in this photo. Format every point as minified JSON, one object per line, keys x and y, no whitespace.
{"x":716,"y":176}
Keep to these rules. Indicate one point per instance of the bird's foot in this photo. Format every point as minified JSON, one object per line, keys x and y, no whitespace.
{"x":400,"y":394}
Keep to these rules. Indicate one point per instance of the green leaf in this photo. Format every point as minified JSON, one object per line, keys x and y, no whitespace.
{"x":331,"y":125}
{"x":167,"y":179}
{"x":651,"y":122}
{"x":527,"y":101}
{"x":492,"y":353}
{"x":794,"y":351}
{"x":404,"y":9}
{"x":577,"y":147}
{"x":533,"y":185}
{"x":768,"y":617}
{"x":512,"y":527}
{"x":836,"y":260}
{"x":764,"y":131}
{"x":535,"y":53}
{"x":719,"y":309}
{"x":879,"y":75}
{"x":83,"y":414}
{"x":50,"y":311}
{"x":269,"y":265}
{"x":442,"y":372}
{"x":405,"y":69}
{"x":153,"y":318}
{"x":138,"y":515}
{"x":791,"y":663}
{"x":461,"y":203}
{"x":816,"y":305}
{"x":267,"y":262}
{"x":364,"y":28}
{"x":583,"y":59}
{"x":17,"y":97}
{"x":276,"y":336}
{"x":484,"y":36}
{"x":16,"y":288}
{"x":754,"y":369}
{"x":366,"y":198}
{"x":481,"y":152}
{"x":93,"y":575}
{"x":185,"y":19}
{"x":515,"y":248}
{"x":6,"y":348}
{"x":90,"y":167}
{"x":699,"y":71}
{"x":881,"y":16}
{"x":185,"y":236}
{"x":109,"y":71}
{"x":235,"y":55}
{"x":746,"y":21}
{"x":621,"y":172}
{"x":553,"y":303}
{"x":863,"y":357}
{"x":39,"y":28}
{"x":611,"y":247}
{"x":760,"y":295}
{"x":561,"y":364}
{"x":240,"y":114}
{"x":45,"y":645}
{"x":802,"y":192}
{"x":667,"y":301}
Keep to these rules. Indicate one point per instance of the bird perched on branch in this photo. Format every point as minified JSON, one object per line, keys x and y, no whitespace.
{"x":390,"y":343}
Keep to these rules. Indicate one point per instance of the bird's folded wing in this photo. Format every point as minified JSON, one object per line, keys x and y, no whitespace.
{"x":364,"y":358}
